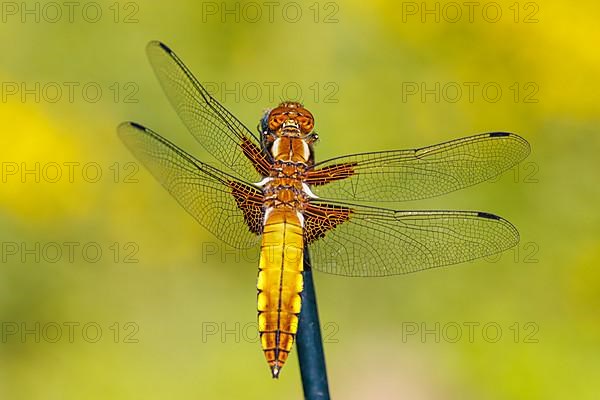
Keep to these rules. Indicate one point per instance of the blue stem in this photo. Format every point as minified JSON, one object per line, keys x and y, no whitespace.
{"x":309,"y":341}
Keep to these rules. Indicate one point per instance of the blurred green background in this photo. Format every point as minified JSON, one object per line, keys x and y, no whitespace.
{"x":164,"y":311}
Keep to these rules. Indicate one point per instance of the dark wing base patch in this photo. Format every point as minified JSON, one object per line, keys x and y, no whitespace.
{"x":250,"y":201}
{"x":321,"y":218}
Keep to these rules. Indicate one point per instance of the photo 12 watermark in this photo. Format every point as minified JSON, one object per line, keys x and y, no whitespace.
{"x":470,"y":332}
{"x":68,"y":92}
{"x":453,"y":12}
{"x":68,"y":332}
{"x":28,"y":172}
{"x":247,"y":332}
{"x":70,"y":252}
{"x":470,"y":92}
{"x":526,"y":252}
{"x":524,"y":172}
{"x":270,"y":92}
{"x":54,"y":12}
{"x":252,"y":12}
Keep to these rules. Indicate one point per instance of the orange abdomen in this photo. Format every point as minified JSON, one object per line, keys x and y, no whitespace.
{"x":280,"y":284}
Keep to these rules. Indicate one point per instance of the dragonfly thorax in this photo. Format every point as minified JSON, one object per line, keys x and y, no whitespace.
{"x":291,"y":149}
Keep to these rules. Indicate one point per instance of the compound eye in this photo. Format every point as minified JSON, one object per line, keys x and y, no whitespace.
{"x":306,"y":123}
{"x":276,"y":121}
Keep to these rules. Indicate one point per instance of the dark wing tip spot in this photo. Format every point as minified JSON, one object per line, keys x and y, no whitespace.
{"x":138,"y":126}
{"x":164,"y":47}
{"x":487,"y":215}
{"x":158,"y":43}
{"x":499,"y":134}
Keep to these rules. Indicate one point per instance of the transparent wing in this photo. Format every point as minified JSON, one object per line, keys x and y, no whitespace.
{"x":402,"y":175}
{"x":229,"y":208}
{"x":369,"y":241}
{"x":215,"y":128}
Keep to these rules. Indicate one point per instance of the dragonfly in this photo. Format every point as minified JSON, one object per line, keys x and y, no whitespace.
{"x":267,"y":190}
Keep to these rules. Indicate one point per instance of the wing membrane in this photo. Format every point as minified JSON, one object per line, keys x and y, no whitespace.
{"x":215,"y":128}
{"x":229,"y":208}
{"x":369,"y":241}
{"x":402,"y":175}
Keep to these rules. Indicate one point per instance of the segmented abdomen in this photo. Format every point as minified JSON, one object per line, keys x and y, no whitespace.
{"x":280,"y":284}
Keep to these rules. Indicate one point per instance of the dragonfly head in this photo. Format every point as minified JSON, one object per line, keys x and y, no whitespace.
{"x":288,"y":118}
